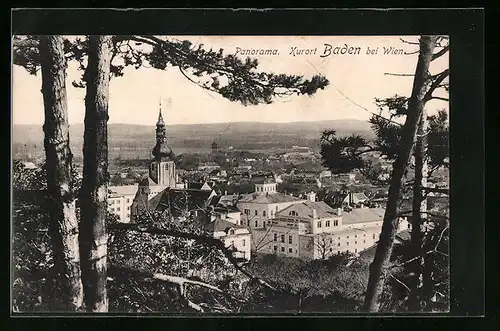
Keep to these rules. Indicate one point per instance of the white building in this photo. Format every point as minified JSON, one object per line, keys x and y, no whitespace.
{"x":261,"y":207}
{"x":314,"y":230}
{"x":225,"y":224}
{"x":120,"y":200}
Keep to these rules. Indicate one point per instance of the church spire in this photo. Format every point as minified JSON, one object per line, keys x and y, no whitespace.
{"x":160,"y":117}
{"x":161,"y":150}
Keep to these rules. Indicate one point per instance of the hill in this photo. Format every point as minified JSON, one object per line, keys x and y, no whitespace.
{"x":136,"y":141}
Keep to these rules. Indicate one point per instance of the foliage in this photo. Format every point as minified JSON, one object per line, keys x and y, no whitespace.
{"x":344,"y":154}
{"x":313,"y":286}
{"x":436,"y":296}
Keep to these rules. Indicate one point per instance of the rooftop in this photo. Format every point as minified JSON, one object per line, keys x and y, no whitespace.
{"x":363,"y":215}
{"x":305,"y":210}
{"x":124,"y":189}
{"x":176,"y":200}
{"x":268,"y":198}
{"x":220,"y":225}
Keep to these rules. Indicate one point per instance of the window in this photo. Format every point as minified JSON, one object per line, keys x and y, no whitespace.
{"x":292,"y":213}
{"x":243,"y":242}
{"x":128,"y":215}
{"x":335,"y":222}
{"x":331,"y":240}
{"x":374,"y":236}
{"x":347,"y":243}
{"x":355,"y":236}
{"x":290,"y":250}
{"x":355,"y":242}
{"x":128,"y":207}
{"x":128,"y":200}
{"x":282,"y":238}
{"x":282,"y":249}
{"x":275,"y":248}
{"x":327,"y":224}
{"x":256,"y":224}
{"x":338,"y":244}
{"x":247,"y":211}
{"x":356,"y":250}
{"x":264,"y":213}
{"x":364,"y":235}
{"x":117,"y":208}
{"x":231,"y":231}
{"x":290,"y":239}
{"x":331,"y":249}
{"x":256,"y":213}
{"x":409,"y":225}
{"x":275,"y":237}
{"x":319,"y":224}
{"x":347,"y":237}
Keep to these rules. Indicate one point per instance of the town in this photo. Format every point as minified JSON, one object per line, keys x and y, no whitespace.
{"x":285,"y":204}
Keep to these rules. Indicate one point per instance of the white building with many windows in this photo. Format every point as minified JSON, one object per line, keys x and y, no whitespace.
{"x":120,"y":200}
{"x":262,"y":206}
{"x":314,"y":230}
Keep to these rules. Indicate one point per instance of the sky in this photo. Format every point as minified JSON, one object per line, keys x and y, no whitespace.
{"x":355,"y":81}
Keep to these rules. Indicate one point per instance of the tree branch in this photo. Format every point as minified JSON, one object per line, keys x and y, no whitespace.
{"x":206,"y":240}
{"x":438,"y":79}
{"x":393,"y":74}
{"x":441,"y":52}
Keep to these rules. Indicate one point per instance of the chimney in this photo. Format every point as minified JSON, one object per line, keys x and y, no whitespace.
{"x":314,"y":214}
{"x":339,"y":211}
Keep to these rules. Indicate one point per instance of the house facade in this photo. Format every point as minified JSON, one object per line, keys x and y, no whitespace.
{"x":120,"y":199}
{"x":260,"y":207}
{"x":314,"y":230}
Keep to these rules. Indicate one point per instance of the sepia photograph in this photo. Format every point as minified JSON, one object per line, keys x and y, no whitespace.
{"x":230,"y":175}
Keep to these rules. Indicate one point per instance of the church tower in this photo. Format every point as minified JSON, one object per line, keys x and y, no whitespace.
{"x":162,"y":167}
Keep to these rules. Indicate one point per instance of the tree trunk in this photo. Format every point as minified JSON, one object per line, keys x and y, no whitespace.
{"x":378,"y":268}
{"x":63,"y":221}
{"x":94,"y":205}
{"x":419,"y":212}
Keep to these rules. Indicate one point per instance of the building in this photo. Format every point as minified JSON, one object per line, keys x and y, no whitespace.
{"x":162,"y":186}
{"x":234,"y":236}
{"x":120,"y":199}
{"x":261,"y":207}
{"x":208,"y":166}
{"x":314,"y":230}
{"x":183,"y":204}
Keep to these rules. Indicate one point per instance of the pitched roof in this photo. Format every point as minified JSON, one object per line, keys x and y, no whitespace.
{"x":220,"y":225}
{"x":124,"y":189}
{"x":404,"y":235}
{"x":360,"y":196}
{"x":363,"y":215}
{"x":305,"y":210}
{"x":269,"y":198}
{"x":176,"y":199}
{"x":147,"y":181}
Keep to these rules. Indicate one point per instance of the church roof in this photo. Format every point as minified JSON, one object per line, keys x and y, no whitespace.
{"x":176,"y":200}
{"x":147,"y":181}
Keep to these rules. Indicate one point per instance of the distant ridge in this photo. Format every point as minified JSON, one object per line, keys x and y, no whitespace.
{"x":139,"y":139}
